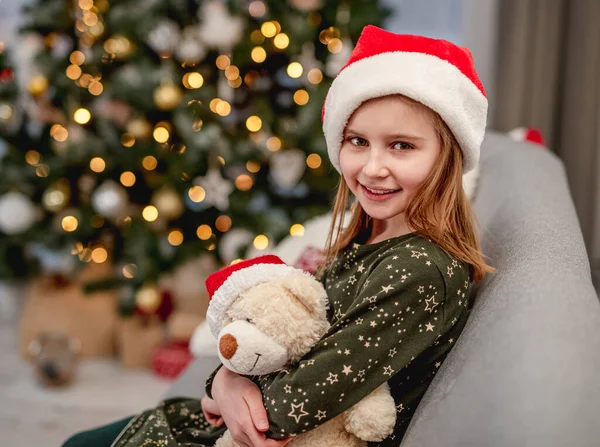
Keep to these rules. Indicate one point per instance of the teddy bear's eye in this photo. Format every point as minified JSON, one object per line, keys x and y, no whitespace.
{"x":248,"y":320}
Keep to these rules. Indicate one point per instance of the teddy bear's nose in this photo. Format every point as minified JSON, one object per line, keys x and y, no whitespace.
{"x":228,"y":345}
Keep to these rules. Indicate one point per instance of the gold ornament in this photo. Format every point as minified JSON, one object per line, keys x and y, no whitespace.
{"x":167,"y":96}
{"x":57,"y":196}
{"x":147,"y":299}
{"x":139,"y":128}
{"x":38,"y":85}
{"x":168,"y":203}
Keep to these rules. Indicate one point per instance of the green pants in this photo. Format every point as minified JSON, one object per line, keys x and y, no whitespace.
{"x":98,"y":437}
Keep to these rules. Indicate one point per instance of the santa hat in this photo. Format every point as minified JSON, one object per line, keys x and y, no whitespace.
{"x":436,"y":73}
{"x":529,"y":134}
{"x":225,"y":285}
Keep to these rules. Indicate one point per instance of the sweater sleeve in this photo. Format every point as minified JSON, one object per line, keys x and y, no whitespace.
{"x":395,"y":316}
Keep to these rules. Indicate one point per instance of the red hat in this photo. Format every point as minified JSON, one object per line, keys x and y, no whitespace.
{"x":436,"y":73}
{"x":225,"y":285}
{"x":530,"y":134}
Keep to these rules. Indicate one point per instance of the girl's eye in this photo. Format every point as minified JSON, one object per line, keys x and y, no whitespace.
{"x":402,"y":146}
{"x":358,"y":141}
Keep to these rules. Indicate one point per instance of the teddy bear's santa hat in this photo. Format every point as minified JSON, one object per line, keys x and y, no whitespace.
{"x":434,"y":72}
{"x":225,"y":285}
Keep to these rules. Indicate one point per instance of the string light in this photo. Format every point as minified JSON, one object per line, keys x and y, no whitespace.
{"x":32,"y":157}
{"x":59,"y":133}
{"x":73,"y":72}
{"x":223,"y":62}
{"x":99,"y":255}
{"x":294,"y":70}
{"x":261,"y":242}
{"x":95,"y":88}
{"x":232,"y":72}
{"x":77,"y":58}
{"x":129,"y":270}
{"x":258,"y":54}
{"x":223,"y":223}
{"x":42,"y":171}
{"x":297,"y":230}
{"x":257,"y":8}
{"x":175,"y":238}
{"x":254,"y":123}
{"x":149,"y":162}
{"x":192,"y":80}
{"x":244,"y":182}
{"x":127,"y":178}
{"x":127,"y":140}
{"x":281,"y":41}
{"x":253,"y":166}
{"x":161,"y":134}
{"x":268,"y":29}
{"x":223,"y":108}
{"x":335,"y":45}
{"x":313,"y":161}
{"x":150,"y":213}
{"x":315,"y":76}
{"x":301,"y":97}
{"x":69,"y":223}
{"x":196,"y":194}
{"x":82,"y":116}
{"x":204,"y":232}
{"x":273,"y":144}
{"x":97,"y":164}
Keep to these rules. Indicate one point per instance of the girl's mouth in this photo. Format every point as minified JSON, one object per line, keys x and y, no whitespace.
{"x":379,"y":195}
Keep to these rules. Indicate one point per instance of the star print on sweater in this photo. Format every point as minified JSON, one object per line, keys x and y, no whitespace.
{"x":395,"y":306}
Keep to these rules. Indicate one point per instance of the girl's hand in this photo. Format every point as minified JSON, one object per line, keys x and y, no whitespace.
{"x":211,"y":412}
{"x":241,"y":405}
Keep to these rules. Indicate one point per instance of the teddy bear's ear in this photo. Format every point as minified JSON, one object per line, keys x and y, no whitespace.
{"x":308,"y":290}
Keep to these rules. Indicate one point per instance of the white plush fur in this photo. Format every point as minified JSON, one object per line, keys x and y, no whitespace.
{"x":434,"y":82}
{"x":290,"y":313}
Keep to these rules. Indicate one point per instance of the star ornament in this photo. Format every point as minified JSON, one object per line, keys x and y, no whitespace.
{"x":297,"y":412}
{"x":217,"y":189}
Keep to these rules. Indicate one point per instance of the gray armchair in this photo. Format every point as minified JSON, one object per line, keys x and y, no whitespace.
{"x":526,"y":370}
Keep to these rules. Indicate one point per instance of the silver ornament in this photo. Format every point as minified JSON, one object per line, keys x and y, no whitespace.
{"x":110,"y":200}
{"x":17,"y":213}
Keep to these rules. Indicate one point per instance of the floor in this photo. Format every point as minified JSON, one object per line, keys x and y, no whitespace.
{"x":32,"y":416}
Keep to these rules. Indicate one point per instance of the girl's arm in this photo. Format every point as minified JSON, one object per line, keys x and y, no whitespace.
{"x":390,"y":323}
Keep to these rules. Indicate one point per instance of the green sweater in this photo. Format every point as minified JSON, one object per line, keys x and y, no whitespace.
{"x":396,"y":309}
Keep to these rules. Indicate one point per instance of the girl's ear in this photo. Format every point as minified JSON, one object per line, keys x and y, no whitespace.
{"x":308,"y":290}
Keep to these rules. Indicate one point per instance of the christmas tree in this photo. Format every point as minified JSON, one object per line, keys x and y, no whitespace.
{"x":154,"y":132}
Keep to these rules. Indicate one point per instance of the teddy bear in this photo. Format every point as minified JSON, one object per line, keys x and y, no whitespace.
{"x":267,"y":315}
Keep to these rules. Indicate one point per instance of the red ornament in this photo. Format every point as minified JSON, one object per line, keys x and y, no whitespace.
{"x":170,"y":359}
{"x":310,"y":259}
{"x":7,"y":75}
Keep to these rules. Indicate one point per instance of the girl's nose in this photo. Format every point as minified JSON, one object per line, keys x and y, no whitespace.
{"x":375,"y":165}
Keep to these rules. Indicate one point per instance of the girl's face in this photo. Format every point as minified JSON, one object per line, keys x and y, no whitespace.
{"x":389,"y":149}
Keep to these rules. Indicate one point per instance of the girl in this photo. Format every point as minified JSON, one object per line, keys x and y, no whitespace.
{"x":403,"y":121}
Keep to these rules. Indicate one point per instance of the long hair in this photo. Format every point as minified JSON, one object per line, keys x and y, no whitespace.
{"x":438,"y":210}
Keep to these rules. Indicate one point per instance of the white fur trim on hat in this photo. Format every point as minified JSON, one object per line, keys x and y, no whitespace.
{"x":239,"y":282}
{"x":432,"y":81}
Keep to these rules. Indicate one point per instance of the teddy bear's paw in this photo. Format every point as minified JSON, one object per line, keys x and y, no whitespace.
{"x":226,"y":440}
{"x":374,"y":417}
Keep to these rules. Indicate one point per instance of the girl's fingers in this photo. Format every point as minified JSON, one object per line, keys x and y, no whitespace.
{"x":258,"y":413}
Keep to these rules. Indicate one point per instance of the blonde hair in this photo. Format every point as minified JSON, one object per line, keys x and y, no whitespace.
{"x":439,"y":210}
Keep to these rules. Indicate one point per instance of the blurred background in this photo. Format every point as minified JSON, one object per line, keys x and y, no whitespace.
{"x":143,"y":145}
